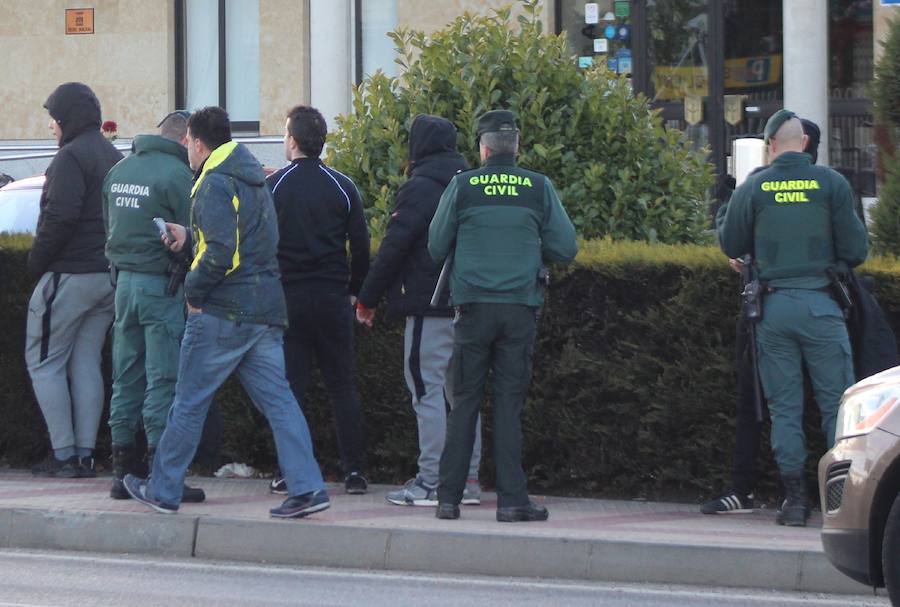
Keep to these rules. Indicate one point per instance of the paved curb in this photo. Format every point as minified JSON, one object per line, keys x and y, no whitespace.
{"x":312,"y":543}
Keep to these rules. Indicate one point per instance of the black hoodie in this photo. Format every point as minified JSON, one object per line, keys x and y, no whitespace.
{"x":70,"y":234}
{"x":403,"y":267}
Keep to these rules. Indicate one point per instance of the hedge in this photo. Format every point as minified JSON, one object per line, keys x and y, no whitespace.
{"x":633,"y":391}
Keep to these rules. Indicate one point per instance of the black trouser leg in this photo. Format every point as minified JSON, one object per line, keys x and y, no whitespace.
{"x":335,"y":354}
{"x":512,"y":362}
{"x":472,"y":344}
{"x":748,"y":428}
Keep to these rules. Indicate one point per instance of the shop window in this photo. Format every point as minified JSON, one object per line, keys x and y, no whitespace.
{"x":218,"y":47}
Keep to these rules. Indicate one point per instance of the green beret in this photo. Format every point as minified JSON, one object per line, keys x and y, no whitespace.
{"x":495,"y":121}
{"x":775,"y":122}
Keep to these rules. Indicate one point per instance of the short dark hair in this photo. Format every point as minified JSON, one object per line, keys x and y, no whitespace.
{"x":308,"y":128}
{"x":211,"y":126}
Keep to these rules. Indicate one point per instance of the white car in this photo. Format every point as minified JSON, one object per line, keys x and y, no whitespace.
{"x":20,"y":205}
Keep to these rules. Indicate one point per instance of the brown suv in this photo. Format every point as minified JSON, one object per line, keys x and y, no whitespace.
{"x":859,"y":483}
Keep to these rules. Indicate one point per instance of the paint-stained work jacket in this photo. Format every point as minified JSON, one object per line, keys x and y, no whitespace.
{"x":234,"y":274}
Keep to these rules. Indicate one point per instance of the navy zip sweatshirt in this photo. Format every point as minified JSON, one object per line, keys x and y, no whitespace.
{"x":319,"y":210}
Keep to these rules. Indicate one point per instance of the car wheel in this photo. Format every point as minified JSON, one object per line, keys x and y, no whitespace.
{"x":890,"y":553}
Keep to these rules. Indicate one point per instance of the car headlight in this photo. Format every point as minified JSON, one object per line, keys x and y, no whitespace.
{"x":862,"y":412}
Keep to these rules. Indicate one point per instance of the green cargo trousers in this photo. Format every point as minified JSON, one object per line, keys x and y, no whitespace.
{"x":802,"y":325}
{"x":146,"y":341}
{"x":498,"y":338}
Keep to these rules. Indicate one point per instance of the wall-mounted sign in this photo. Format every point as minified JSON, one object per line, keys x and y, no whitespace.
{"x":591,"y":13}
{"x":610,"y":31}
{"x":623,"y":8}
{"x":601,"y":45}
{"x":585,"y":61}
{"x":623,"y":32}
{"x":889,"y":2}
{"x":79,"y":21}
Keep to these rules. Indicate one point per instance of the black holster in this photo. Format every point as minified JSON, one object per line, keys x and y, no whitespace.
{"x":840,"y":292}
{"x":176,"y":271}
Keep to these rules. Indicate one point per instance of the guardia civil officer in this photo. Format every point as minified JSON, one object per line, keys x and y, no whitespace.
{"x":154,"y":181}
{"x":797,"y":221}
{"x":502,"y":223}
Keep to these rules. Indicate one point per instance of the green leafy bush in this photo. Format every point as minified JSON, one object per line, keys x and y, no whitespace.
{"x":618,"y":171}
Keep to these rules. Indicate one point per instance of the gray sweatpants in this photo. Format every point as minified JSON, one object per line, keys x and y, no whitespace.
{"x":427,"y":349}
{"x":69,"y":316}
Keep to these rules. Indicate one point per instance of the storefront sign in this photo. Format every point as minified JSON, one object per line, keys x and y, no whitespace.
{"x":79,"y":21}
{"x":623,"y":8}
{"x":889,"y":2}
{"x":743,"y":72}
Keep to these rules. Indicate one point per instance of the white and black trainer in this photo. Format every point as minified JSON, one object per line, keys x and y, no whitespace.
{"x":730,"y":503}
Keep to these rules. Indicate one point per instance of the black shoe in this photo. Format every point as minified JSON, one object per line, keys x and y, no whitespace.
{"x":192,"y":495}
{"x":86,"y":467}
{"x":520,"y":514}
{"x":117,"y":490}
{"x":55,"y":468}
{"x":278,"y":486}
{"x":447,"y":511}
{"x":794,"y":510}
{"x":356,"y":484}
{"x":729,"y":503}
{"x":298,"y":506}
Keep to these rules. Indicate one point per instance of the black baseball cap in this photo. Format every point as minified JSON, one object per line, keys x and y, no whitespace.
{"x":496,"y":121}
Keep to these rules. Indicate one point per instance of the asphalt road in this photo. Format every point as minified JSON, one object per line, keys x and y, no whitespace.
{"x":52,"y":579}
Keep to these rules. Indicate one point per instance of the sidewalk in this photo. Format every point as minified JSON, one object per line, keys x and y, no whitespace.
{"x":584,"y":539}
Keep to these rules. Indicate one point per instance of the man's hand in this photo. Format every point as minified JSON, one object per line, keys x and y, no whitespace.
{"x":364,"y":315}
{"x":736,"y":264}
{"x":179,"y":233}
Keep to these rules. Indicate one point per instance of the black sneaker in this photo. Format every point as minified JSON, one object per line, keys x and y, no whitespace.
{"x":447,"y":511}
{"x":55,"y":468}
{"x":298,"y":506}
{"x":356,"y":484}
{"x":730,"y":503}
{"x":192,"y":495}
{"x":86,"y":468}
{"x":137,"y":489}
{"x":278,"y":486}
{"x":522,"y":514}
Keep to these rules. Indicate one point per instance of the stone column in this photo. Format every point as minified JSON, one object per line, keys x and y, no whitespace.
{"x":331,"y":37}
{"x":806,"y":64}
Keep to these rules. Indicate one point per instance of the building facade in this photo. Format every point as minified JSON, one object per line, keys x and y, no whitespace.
{"x":716,"y":68}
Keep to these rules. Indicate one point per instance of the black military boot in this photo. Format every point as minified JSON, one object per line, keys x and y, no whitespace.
{"x":123,"y":463}
{"x":794,"y":510}
{"x":189,"y":495}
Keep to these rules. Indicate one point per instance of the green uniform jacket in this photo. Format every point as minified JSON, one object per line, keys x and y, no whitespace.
{"x":234,"y":274}
{"x":797,"y":220}
{"x":502,"y":222}
{"x":155,"y":181}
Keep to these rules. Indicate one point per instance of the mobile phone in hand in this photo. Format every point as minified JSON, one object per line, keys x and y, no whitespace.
{"x":163,"y":229}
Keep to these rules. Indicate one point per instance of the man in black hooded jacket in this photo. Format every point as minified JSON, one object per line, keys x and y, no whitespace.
{"x":405,"y":271}
{"x":71,"y":308}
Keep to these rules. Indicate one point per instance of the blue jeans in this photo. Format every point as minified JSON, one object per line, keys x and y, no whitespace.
{"x":212,"y":349}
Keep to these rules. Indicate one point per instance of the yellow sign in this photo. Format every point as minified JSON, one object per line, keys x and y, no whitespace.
{"x":744,"y":72}
{"x":79,"y":21}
